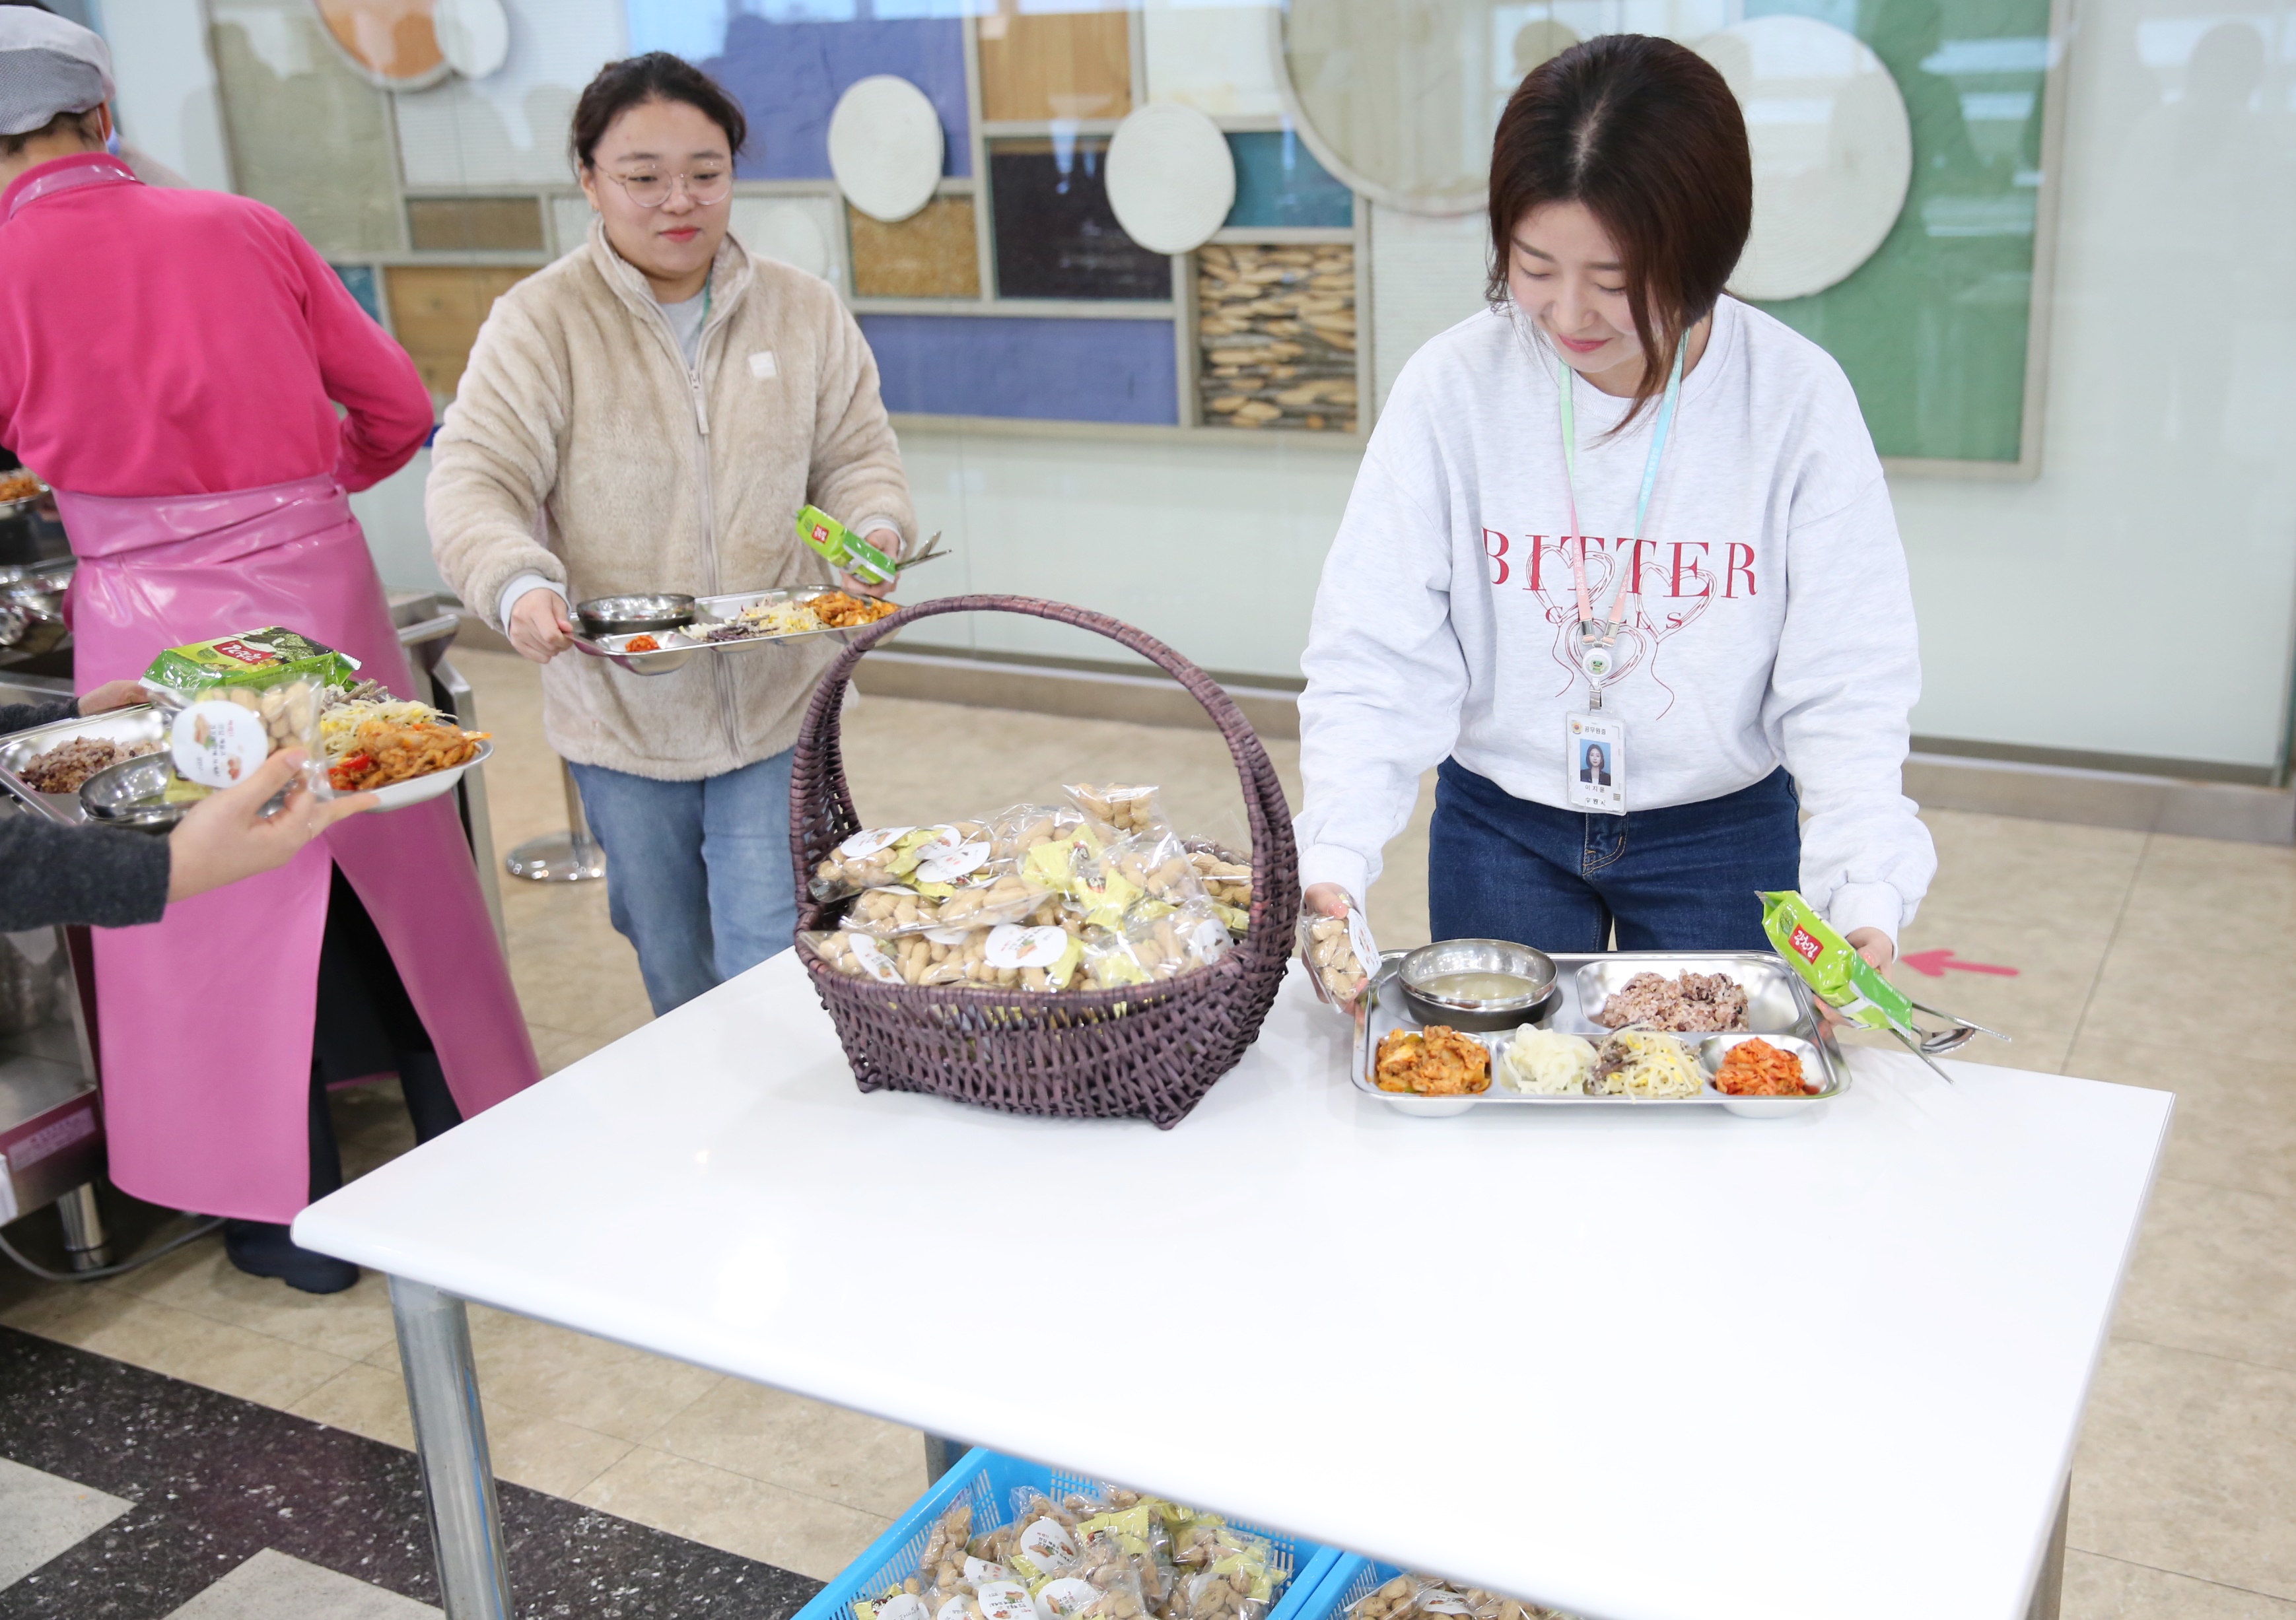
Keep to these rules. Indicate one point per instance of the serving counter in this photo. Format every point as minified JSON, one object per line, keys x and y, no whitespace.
{"x":1637,"y":1366}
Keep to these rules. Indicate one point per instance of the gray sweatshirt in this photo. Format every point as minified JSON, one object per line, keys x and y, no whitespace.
{"x":1775,"y":624}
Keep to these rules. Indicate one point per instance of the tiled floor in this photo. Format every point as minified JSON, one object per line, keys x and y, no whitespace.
{"x":134,"y":1496}
{"x":2145,"y":960}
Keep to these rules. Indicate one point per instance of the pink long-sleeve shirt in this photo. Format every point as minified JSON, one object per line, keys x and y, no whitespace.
{"x":161,"y":342}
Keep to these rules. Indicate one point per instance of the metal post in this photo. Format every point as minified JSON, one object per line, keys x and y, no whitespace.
{"x":940,"y":1456}
{"x":572,"y":856}
{"x":453,"y":693}
{"x":2049,"y":1589}
{"x":84,"y":1237}
{"x":450,"y":1437}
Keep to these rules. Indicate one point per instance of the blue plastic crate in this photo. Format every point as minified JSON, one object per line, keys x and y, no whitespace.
{"x":1348,"y":1580}
{"x":987,"y":1479}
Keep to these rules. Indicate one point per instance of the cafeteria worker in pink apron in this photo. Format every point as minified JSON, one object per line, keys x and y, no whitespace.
{"x":167,"y":361}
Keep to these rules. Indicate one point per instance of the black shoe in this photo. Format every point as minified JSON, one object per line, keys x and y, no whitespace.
{"x":263,"y":1249}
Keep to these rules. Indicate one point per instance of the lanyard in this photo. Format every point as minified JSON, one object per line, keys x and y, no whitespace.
{"x":1592,"y":629}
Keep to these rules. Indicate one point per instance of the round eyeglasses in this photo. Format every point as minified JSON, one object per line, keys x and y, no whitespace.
{"x":650,"y":191}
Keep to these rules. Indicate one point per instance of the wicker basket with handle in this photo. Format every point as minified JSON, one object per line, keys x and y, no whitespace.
{"x":1143,"y":1052}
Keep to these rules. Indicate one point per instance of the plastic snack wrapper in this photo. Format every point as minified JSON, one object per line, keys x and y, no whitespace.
{"x":878,"y":857}
{"x":1132,"y":881}
{"x":237,"y":699}
{"x":890,"y":913}
{"x":1149,"y":949}
{"x":1014,"y":832}
{"x":1393,"y":1600}
{"x":1126,"y":810}
{"x":1831,"y":966}
{"x":857,"y":955}
{"x":1224,"y":875}
{"x":1101,"y":1584}
{"x":1341,"y":955}
{"x":1045,"y":1542}
{"x":1135,"y":1533}
{"x":843,"y":549}
{"x":1239,"y":1585}
{"x":1010,"y":956}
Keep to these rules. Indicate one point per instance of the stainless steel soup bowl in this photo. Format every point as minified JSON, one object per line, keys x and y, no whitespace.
{"x":1448,"y":956}
{"x":634,"y":615}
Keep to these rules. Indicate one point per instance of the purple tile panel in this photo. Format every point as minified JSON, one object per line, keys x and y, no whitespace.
{"x":789,"y":74}
{"x":1043,"y":367}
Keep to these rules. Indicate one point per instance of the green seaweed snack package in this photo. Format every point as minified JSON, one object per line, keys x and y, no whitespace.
{"x":235,"y":700}
{"x":842,"y":547}
{"x":1848,"y":983}
{"x":258,"y":659}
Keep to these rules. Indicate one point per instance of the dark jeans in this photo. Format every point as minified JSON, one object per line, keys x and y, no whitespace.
{"x":1686,"y":878}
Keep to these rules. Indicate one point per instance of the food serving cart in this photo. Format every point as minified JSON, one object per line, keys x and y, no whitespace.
{"x":51,"y":1127}
{"x":1636,"y":1365}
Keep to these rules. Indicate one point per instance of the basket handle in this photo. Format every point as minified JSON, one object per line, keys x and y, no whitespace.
{"x":821,"y":803}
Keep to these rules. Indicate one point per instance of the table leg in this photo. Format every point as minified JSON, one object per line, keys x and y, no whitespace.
{"x":2049,"y":1590}
{"x":450,"y":1436}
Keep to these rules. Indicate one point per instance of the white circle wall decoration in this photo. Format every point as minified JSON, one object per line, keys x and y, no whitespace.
{"x":1171,"y":177}
{"x":885,"y":147}
{"x":1833,"y":152}
{"x":473,"y":36}
{"x":786,"y":230}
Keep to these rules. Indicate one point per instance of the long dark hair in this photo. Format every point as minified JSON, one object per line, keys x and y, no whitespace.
{"x":1648,"y":136}
{"x":655,"y":77}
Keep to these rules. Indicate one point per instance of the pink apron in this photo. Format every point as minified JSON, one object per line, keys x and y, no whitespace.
{"x":205,"y":1017}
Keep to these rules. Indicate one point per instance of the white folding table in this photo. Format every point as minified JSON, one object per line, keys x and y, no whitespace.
{"x":1637,"y":1364}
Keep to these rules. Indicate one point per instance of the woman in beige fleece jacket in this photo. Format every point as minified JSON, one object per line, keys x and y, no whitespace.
{"x":648,"y":414}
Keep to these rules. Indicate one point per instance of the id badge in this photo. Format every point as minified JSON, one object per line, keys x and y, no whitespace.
{"x":1595,"y":763}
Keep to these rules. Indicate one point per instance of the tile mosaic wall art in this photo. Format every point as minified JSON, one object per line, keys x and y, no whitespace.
{"x":1279,"y":183}
{"x":436,"y":311}
{"x":1054,"y":64}
{"x":510,"y":128}
{"x":1214,"y":58}
{"x":1056,"y":235}
{"x":474,"y":225}
{"x":789,"y":74}
{"x":1046,"y":368}
{"x":932,"y":254}
{"x":1275,"y":335}
{"x":307,"y":135}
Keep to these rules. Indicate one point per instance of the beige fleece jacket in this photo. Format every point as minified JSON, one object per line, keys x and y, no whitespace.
{"x":580,"y":448}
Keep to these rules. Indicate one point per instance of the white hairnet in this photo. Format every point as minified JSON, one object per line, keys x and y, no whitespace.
{"x":47,"y":65}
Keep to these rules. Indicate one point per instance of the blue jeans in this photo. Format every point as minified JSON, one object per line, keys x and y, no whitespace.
{"x":1681,"y":879}
{"x":697,"y":872}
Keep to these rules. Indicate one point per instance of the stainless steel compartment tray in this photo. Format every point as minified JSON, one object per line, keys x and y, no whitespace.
{"x":679,"y":647}
{"x":1778,"y":1004}
{"x":141,"y":723}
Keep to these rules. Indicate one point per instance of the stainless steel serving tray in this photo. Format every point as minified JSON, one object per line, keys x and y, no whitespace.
{"x":679,"y":647}
{"x":140,"y":723}
{"x":1778,"y":1003}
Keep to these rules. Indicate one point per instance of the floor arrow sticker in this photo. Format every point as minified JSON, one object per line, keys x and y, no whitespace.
{"x":1934,"y":963}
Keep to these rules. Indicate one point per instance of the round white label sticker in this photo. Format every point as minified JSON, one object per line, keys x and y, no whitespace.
{"x":1058,"y":1600}
{"x":1005,"y":1601}
{"x":219,"y":743}
{"x":1011,"y":945}
{"x":904,"y":1606}
{"x":864,"y":844}
{"x":873,"y":959}
{"x":946,"y":863}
